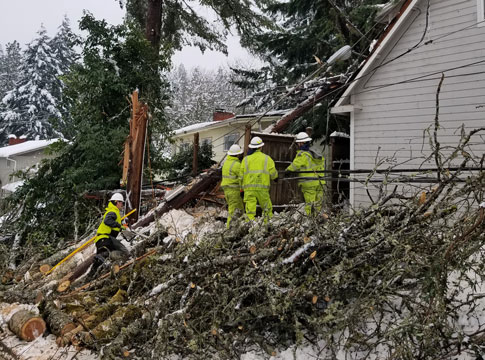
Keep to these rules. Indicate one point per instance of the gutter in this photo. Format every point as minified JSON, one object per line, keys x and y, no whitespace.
{"x":14,"y":166}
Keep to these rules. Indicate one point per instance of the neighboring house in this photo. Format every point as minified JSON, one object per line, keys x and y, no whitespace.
{"x":392,"y":100}
{"x":223,"y":131}
{"x":19,"y":156}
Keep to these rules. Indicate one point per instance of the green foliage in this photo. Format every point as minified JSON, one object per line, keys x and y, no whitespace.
{"x":182,"y":25}
{"x":180,"y":165}
{"x":116,"y":61}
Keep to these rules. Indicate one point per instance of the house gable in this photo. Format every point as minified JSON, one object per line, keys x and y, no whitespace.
{"x":397,"y":95}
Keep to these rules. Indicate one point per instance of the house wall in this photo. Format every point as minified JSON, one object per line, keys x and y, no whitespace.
{"x":216,"y":136}
{"x":398,"y":100}
{"x":22,"y":162}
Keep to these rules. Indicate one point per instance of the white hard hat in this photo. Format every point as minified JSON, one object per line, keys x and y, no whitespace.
{"x":302,"y":137}
{"x":235,"y":149}
{"x":117,"y":197}
{"x":256,"y":142}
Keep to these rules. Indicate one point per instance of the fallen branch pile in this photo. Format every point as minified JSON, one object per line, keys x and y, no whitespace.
{"x":401,"y":279}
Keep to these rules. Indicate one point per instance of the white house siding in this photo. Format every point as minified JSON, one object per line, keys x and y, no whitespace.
{"x":399,"y":100}
{"x":216,"y":136}
{"x":22,"y":162}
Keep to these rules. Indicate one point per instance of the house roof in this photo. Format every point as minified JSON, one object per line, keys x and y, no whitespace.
{"x":234,"y":120}
{"x":385,"y":39}
{"x":11,"y":187}
{"x":25,"y":147}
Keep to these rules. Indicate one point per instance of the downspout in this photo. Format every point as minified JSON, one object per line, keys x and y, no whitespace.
{"x":14,"y":166}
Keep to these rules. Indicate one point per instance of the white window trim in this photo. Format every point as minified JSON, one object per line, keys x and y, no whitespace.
{"x":224,"y":141}
{"x":481,"y":12}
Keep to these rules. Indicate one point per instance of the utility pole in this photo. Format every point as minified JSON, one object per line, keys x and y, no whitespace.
{"x":195,"y":155}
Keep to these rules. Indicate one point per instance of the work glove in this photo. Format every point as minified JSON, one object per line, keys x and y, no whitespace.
{"x":276,"y":180}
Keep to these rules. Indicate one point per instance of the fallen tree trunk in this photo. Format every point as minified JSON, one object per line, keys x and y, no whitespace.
{"x":205,"y":183}
{"x":109,"y":328}
{"x":59,"y":322}
{"x":26,"y":325}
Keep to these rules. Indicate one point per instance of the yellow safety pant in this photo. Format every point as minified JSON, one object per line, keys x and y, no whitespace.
{"x":234,"y":201}
{"x":313,"y":196}
{"x":254,"y":196}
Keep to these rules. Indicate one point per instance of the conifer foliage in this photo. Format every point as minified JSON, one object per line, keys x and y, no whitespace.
{"x":31,"y":104}
{"x":10,"y":59}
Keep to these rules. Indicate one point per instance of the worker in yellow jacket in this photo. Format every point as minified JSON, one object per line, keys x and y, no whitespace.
{"x":231,"y":182}
{"x":307,"y":160}
{"x":107,"y":232}
{"x":257,"y":169}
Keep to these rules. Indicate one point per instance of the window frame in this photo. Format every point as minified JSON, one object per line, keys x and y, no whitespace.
{"x":481,"y":13}
{"x":206,"y":140}
{"x":236,"y":135}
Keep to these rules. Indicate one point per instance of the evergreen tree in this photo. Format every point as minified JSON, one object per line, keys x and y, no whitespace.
{"x":178,"y":23}
{"x":10,"y":60}
{"x":198,"y":93}
{"x":310,"y":29}
{"x":63,"y":44}
{"x":115,"y":61}
{"x":31,"y":106}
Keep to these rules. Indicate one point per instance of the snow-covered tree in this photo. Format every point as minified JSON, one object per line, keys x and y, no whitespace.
{"x":63,"y":44}
{"x":198,"y":93}
{"x":10,"y":60}
{"x":31,"y":108}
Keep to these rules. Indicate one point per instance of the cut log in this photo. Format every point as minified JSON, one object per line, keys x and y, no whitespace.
{"x":111,"y":327}
{"x":59,"y":322}
{"x":44,"y":268}
{"x":26,"y":325}
{"x":63,"y":286}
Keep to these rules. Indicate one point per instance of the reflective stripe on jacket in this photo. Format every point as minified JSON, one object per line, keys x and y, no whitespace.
{"x":230,"y":173}
{"x":257,"y":170}
{"x":304,"y":161}
{"x":105,"y":230}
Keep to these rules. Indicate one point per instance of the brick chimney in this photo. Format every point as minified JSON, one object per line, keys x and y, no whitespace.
{"x":220,"y":115}
{"x":14,"y":140}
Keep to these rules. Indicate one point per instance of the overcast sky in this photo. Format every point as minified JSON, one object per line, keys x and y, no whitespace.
{"x":21,"y":19}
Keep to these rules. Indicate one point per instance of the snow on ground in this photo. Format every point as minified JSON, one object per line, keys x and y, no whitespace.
{"x":42,"y":348}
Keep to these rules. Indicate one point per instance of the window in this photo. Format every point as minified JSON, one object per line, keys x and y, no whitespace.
{"x":206,"y":141}
{"x":230,"y":140}
{"x":481,"y":13}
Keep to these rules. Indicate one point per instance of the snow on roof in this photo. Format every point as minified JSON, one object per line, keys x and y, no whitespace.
{"x":25,"y":147}
{"x":194,"y":127}
{"x":340,"y":134}
{"x":12,"y":186}
{"x":236,"y":118}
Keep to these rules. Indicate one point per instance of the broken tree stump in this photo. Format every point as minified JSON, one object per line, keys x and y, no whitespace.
{"x":26,"y":325}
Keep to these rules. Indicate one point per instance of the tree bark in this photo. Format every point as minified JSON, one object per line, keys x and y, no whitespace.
{"x":26,"y":325}
{"x":59,"y":322}
{"x":154,"y":23}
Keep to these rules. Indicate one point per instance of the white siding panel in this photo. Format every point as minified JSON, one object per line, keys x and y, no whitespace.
{"x":399,"y":99}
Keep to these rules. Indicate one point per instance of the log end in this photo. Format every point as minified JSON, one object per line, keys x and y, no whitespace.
{"x":26,"y":325}
{"x":116,"y":269}
{"x":44,"y":268}
{"x":33,"y":328}
{"x":63,"y":286}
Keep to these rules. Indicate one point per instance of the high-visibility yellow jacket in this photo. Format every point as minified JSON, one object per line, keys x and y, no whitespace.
{"x":257,"y":170}
{"x":306,"y":161}
{"x":230,"y":173}
{"x":111,"y":224}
